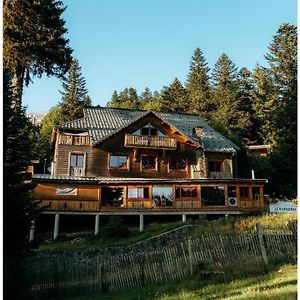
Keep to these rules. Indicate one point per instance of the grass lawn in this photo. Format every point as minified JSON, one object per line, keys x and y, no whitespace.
{"x":279,"y":284}
{"x":205,"y":226}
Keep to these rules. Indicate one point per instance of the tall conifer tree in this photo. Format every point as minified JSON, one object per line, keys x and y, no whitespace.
{"x":228,"y":110}
{"x":74,"y":94}
{"x":197,"y":85}
{"x":34,"y":42}
{"x":174,"y":97}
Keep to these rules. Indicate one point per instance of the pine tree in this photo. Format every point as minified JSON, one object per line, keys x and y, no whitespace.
{"x":128,"y":98}
{"x":245,"y":90}
{"x":227,"y":106}
{"x":18,"y":209}
{"x":264,"y":106}
{"x":33,"y":42}
{"x":197,"y":85}
{"x":282,"y":61}
{"x":114,"y":101}
{"x":174,"y":97}
{"x":74,"y":94}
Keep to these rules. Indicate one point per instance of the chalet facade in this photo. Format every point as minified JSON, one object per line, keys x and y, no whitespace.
{"x":119,"y":161}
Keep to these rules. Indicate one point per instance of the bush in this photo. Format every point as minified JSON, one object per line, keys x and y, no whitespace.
{"x":115,"y":228}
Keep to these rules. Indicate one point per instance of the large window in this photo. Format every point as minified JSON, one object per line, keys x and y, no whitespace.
{"x":118,"y":162}
{"x":162,"y":196}
{"x":138,"y":193}
{"x":177,"y":164}
{"x":215,"y":166}
{"x":77,"y":164}
{"x":213,"y":195}
{"x":186,"y":193}
{"x":149,"y":163}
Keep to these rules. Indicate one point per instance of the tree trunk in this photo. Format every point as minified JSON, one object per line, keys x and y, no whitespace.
{"x":17,"y":87}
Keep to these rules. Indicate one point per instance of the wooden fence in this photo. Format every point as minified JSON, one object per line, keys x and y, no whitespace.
{"x":123,"y":271}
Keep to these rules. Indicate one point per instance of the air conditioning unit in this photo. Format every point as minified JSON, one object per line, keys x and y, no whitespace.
{"x":232,"y":201}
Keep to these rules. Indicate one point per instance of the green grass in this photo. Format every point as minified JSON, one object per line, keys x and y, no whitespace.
{"x":102,"y":240}
{"x":217,"y":226}
{"x":279,"y":284}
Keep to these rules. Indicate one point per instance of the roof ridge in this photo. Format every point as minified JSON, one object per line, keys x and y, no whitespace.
{"x":140,"y":110}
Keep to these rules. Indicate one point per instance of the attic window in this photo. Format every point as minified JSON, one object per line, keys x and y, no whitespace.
{"x":149,"y":131}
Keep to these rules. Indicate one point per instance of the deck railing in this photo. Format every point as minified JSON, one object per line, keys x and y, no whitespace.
{"x":79,"y":140}
{"x":146,"y":141}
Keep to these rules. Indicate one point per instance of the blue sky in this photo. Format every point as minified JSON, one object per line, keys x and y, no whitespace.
{"x":139,"y":43}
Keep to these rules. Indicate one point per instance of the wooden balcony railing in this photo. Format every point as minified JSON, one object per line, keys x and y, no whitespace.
{"x":147,"y":141}
{"x":79,"y":140}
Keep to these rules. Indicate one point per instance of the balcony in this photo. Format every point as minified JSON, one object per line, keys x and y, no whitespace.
{"x":148,"y":141}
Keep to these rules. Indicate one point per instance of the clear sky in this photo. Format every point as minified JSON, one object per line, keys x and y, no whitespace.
{"x":147,"y":43}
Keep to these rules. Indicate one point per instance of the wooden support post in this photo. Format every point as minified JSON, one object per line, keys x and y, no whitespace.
{"x":32,"y":229}
{"x":261,"y":243}
{"x":183,"y":218}
{"x":56,"y":226}
{"x":96,"y":224}
{"x":190,"y":256}
{"x":141,"y":223}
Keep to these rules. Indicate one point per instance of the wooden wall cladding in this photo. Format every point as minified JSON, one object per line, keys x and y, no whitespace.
{"x":48,"y":191}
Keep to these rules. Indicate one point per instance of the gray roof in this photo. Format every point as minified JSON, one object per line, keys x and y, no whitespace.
{"x":102,"y":122}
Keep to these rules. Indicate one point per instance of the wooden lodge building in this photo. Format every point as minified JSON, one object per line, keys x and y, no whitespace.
{"x":120,"y":161}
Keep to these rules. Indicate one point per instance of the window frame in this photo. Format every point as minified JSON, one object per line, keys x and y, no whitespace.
{"x":138,"y":198}
{"x":185,"y":170}
{"x":214,"y":161}
{"x":125,"y":168}
{"x":155,"y":169}
{"x":192,"y":198}
{"x":77,"y":153}
{"x":221,"y":187}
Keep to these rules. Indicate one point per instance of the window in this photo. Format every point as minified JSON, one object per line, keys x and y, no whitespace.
{"x":76,"y":160}
{"x":255,"y":193}
{"x":149,"y":130}
{"x":177,"y":164}
{"x":77,"y":164}
{"x":162,"y":196}
{"x":215,"y":166}
{"x":186,"y":192}
{"x":213,"y":195}
{"x":118,"y":162}
{"x":138,"y":193}
{"x":112,"y":196}
{"x":244,"y":193}
{"x":148,"y":163}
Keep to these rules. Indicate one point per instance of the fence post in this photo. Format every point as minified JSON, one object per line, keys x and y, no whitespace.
{"x":261,"y":243}
{"x":190,"y":255}
{"x":32,"y":229}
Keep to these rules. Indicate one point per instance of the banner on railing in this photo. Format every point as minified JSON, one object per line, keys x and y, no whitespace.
{"x":66,"y":190}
